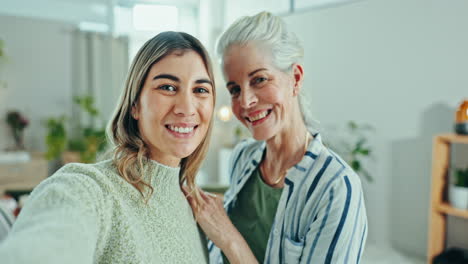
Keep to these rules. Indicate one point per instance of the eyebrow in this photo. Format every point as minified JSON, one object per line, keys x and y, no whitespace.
{"x":176,"y":79}
{"x":166,"y":76}
{"x":201,"y":81}
{"x":250,"y":75}
{"x":257,"y":70}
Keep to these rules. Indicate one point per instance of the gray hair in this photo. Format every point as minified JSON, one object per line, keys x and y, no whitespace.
{"x":270,"y":32}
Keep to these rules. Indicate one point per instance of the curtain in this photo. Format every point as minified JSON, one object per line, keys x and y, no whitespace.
{"x":99,"y":67}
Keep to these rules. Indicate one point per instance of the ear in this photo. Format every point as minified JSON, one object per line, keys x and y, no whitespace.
{"x":135,"y":112}
{"x":298,"y":75}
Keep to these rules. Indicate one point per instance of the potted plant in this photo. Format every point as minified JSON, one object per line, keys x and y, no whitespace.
{"x":458,"y":191}
{"x":353,"y":146}
{"x":86,"y":142}
{"x":56,"y":138}
{"x":17,"y":123}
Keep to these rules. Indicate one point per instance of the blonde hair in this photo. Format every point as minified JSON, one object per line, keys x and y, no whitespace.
{"x":130,"y":151}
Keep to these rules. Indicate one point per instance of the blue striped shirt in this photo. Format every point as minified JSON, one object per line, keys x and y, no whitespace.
{"x":321,"y":216}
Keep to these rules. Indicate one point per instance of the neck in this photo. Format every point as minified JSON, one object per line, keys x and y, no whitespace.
{"x":285,"y":149}
{"x":165,"y":160}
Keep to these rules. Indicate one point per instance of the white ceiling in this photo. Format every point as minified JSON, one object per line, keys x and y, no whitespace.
{"x":76,"y":11}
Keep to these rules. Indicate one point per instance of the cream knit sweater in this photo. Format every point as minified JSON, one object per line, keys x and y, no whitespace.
{"x":89,"y":214}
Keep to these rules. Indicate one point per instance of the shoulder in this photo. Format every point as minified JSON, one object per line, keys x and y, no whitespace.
{"x":246,"y":149}
{"x":346,"y":172}
{"x":247,"y":146}
{"x":246,"y":152}
{"x":328,"y":172}
{"x":76,"y":179}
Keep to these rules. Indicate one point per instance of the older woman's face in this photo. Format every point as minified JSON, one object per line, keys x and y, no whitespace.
{"x":262,"y":96}
{"x":175,"y":107}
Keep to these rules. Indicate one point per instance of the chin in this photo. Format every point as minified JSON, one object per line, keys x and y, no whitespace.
{"x":261,"y":135}
{"x":184,"y":153}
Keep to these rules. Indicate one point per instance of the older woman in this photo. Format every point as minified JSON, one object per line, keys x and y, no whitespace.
{"x":130,"y":209}
{"x":291,"y":199}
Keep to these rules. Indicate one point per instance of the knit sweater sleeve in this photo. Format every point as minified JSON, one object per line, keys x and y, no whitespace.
{"x":60,"y":222}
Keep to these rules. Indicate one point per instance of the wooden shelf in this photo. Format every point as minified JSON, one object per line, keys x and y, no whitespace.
{"x":453,"y":138}
{"x":24,"y":175}
{"x":440,"y":208}
{"x":448,"y":209}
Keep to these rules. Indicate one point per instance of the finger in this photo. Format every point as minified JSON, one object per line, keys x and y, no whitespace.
{"x":191,"y":201}
{"x":204,"y":196}
{"x":220,"y":200}
{"x":188,"y":197}
{"x":185,"y":190}
{"x":211,"y":194}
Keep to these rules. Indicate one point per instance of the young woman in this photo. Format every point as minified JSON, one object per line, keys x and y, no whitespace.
{"x":130,"y":209}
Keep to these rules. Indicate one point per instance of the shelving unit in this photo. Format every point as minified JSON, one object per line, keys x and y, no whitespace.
{"x":23,"y":176}
{"x":439,"y":207}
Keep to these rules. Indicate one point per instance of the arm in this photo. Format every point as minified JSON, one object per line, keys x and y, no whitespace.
{"x":214,"y":221}
{"x":339,"y":230}
{"x":57,"y":225}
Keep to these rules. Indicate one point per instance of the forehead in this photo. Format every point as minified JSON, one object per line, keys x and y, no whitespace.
{"x":181,"y":62}
{"x":245,"y":58}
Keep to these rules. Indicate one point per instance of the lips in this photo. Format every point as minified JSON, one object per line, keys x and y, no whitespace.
{"x":181,"y":128}
{"x":258,"y":115}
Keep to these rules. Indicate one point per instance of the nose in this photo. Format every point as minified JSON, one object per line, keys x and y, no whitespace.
{"x":184,"y":104}
{"x":248,"y":98}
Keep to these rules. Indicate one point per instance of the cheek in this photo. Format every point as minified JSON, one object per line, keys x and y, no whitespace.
{"x":206,"y":110}
{"x":236,"y":109}
{"x":273,"y":95}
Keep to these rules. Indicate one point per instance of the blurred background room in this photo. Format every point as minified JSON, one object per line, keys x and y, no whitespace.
{"x":384,"y":78}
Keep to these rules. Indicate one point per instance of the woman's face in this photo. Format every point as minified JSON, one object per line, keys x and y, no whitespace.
{"x":175,"y":107}
{"x":262,"y":95}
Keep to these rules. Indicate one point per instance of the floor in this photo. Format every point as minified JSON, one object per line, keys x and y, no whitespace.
{"x":380,"y":255}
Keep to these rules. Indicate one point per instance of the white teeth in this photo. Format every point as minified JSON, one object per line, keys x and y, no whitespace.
{"x":259,"y":116}
{"x":183,"y":130}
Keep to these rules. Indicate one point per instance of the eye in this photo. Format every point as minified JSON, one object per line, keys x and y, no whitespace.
{"x":258,"y":80}
{"x":201,"y":90}
{"x":167,"y":87}
{"x":234,"y":91}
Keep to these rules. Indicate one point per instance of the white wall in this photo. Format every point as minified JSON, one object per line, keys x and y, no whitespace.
{"x":237,"y":8}
{"x":37,"y":72}
{"x":401,"y":66}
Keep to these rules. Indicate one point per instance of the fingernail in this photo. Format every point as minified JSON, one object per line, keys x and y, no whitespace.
{"x":211,"y":194}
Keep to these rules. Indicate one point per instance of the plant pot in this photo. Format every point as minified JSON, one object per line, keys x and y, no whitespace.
{"x":458,"y":197}
{"x":71,"y":157}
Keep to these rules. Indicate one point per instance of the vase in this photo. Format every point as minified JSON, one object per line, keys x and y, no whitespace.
{"x":461,"y":119}
{"x":458,"y":197}
{"x":18,"y":136}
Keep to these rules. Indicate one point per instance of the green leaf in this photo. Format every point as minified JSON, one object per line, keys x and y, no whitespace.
{"x":364,"y":152}
{"x":87,"y":104}
{"x":56,"y":137}
{"x":77,"y":145}
{"x":356,"y":165}
{"x":352,"y":125}
{"x":461,"y":178}
{"x":360,"y":143}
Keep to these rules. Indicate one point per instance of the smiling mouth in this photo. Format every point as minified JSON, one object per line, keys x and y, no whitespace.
{"x":181,"y":130}
{"x":258,"y":117}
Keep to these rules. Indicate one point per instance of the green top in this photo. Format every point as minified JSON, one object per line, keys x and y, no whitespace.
{"x":253,"y":213}
{"x":87,"y":213}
